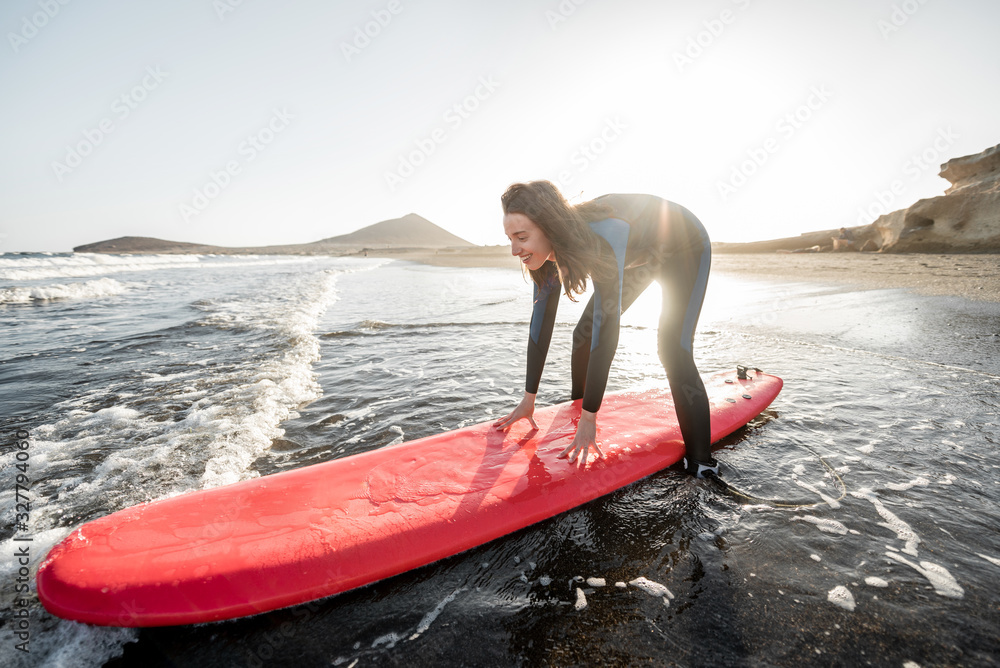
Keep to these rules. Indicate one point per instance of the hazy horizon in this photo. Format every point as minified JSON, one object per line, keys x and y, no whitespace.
{"x":251,"y":123}
{"x":338,"y":236}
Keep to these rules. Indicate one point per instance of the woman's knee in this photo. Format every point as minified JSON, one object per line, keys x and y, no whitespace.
{"x":678,"y":362}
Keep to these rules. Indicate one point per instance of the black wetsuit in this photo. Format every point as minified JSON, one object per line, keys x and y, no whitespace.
{"x":650,"y":238}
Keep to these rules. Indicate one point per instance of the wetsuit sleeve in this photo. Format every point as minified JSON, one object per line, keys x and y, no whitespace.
{"x":543,"y":320}
{"x":607,"y":315}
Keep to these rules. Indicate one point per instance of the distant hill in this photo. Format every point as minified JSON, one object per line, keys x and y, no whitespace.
{"x":142,"y":245}
{"x":410,"y":231}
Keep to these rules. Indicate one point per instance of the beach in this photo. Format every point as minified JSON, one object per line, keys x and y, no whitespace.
{"x":972,"y":276}
{"x":140,"y":377}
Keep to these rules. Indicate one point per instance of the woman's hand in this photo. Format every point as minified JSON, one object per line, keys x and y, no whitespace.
{"x":586,"y":436}
{"x":525,"y":409}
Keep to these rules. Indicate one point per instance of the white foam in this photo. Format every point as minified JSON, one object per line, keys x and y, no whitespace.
{"x":596,"y":582}
{"x":833,"y":503}
{"x":902,"y":530}
{"x":429,"y":618}
{"x":281,"y":384}
{"x":545,"y":580}
{"x":102,"y":287}
{"x":992,"y":560}
{"x":873,"y":581}
{"x":581,"y":599}
{"x":826,"y":525}
{"x":398,"y":439}
{"x":389,"y":640}
{"x":841,"y":596}
{"x":81,"y":265}
{"x":902,"y":487}
{"x":236,"y":413}
{"x":939,"y":577}
{"x":65,"y":643}
{"x":652,"y":588}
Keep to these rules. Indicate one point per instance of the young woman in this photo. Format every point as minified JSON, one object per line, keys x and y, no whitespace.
{"x":622,"y":243}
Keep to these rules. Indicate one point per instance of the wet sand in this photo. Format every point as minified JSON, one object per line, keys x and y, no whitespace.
{"x":971,"y":276}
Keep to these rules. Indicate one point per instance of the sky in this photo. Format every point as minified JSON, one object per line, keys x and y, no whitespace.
{"x":254,"y":122}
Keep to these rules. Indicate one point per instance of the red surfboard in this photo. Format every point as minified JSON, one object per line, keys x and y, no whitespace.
{"x":299,"y":535}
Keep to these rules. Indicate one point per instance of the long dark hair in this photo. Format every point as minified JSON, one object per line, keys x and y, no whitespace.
{"x":579,"y":252}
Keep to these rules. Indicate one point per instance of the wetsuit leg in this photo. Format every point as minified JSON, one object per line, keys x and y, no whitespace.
{"x":684,"y":278}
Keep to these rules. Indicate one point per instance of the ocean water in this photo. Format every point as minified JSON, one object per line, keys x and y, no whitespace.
{"x":142,"y":377}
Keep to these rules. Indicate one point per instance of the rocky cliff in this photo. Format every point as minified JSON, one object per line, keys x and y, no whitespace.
{"x":965,"y":219}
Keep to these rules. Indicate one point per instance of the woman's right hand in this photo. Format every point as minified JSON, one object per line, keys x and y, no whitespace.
{"x":525,"y":409}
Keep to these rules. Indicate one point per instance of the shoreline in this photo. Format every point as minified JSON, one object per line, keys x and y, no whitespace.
{"x":971,"y":276}
{"x":478,"y":256}
{"x":975,"y":277}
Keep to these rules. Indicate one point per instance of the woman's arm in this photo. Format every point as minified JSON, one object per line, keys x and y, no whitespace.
{"x":586,"y":436}
{"x":543,"y":318}
{"x":606,"y":315}
{"x":604,"y":339}
{"x":525,"y":409}
{"x":604,"y":329}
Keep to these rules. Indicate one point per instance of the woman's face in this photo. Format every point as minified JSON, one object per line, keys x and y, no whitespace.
{"x":527,"y":241}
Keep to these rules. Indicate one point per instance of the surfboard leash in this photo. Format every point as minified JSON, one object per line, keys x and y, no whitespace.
{"x":780,"y":503}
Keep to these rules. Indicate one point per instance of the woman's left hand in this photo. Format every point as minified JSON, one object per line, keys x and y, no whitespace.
{"x":586,"y":436}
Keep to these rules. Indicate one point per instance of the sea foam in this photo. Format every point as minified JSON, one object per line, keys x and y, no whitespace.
{"x":102,"y":287}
